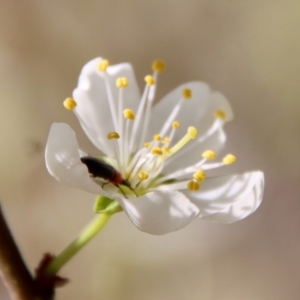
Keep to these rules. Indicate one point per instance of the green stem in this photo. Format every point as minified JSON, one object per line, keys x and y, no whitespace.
{"x":84,"y":237}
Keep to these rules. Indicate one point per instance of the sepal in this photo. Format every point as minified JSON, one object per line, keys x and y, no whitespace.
{"x":106,"y":205}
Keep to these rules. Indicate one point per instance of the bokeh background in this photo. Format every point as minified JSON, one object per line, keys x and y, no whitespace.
{"x":248,"y":50}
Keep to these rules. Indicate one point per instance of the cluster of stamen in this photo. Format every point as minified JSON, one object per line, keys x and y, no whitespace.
{"x":141,"y":162}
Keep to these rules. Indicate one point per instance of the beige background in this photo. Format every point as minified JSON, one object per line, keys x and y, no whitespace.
{"x":248,"y":49}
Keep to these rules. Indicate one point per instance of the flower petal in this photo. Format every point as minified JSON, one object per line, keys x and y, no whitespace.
{"x":160,"y":212}
{"x":227,"y":199}
{"x":63,"y":160}
{"x":94,"y":91}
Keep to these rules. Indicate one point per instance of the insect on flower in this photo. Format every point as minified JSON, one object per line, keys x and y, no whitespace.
{"x":98,"y":168}
{"x":157,"y":158}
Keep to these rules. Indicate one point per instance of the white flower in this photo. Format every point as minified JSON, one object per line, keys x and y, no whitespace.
{"x":163,"y":152}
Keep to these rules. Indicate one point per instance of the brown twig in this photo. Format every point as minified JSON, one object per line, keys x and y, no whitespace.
{"x":15,"y":273}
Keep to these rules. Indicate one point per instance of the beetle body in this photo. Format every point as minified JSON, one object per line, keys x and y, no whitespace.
{"x":101,"y":169}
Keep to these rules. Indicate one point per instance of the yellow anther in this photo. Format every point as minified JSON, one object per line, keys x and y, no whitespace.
{"x":175,"y":124}
{"x":128,"y":114}
{"x":186,"y":93}
{"x":193,"y":186}
{"x":70,"y":103}
{"x":156,"y":137}
{"x":209,"y":154}
{"x":191,"y":134}
{"x":127,"y":175}
{"x":192,"y":131}
{"x":229,"y":159}
{"x":143,"y":175}
{"x":147,"y":144}
{"x":220,"y":114}
{"x":112,"y":135}
{"x":156,"y":151}
{"x":166,"y":149}
{"x":121,"y":82}
{"x":149,"y":80}
{"x":158,"y":65}
{"x":199,"y":175}
{"x":103,"y":64}
{"x":165,"y":140}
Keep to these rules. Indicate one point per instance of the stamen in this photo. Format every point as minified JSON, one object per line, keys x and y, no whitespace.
{"x":229,"y":159}
{"x":186,"y":93}
{"x":143,"y":175}
{"x":199,"y":175}
{"x":220,"y":114}
{"x":211,"y":166}
{"x":149,"y":80}
{"x":158,"y":65}
{"x":136,"y":126}
{"x":191,"y":134}
{"x":70,"y":103}
{"x":121,"y":129}
{"x":175,"y":124}
{"x":147,"y":144}
{"x":156,"y":151}
{"x":155,"y":169}
{"x":209,"y":154}
{"x":215,"y":126}
{"x":165,"y":140}
{"x":103,"y":64}
{"x":111,"y":101}
{"x":156,"y":137}
{"x":179,"y":185}
{"x":193,"y":186}
{"x":183,"y":172}
{"x":128,"y":114}
{"x":134,"y":164}
{"x":121,"y":82}
{"x":113,"y":135}
{"x":146,"y":115}
{"x":165,"y":149}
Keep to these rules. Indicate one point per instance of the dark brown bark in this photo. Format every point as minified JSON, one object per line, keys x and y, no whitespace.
{"x":16,"y":276}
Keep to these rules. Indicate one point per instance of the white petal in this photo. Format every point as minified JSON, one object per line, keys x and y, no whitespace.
{"x":227,"y":199}
{"x":243,"y":207}
{"x":92,"y":99}
{"x":63,"y":160}
{"x":160,"y":212}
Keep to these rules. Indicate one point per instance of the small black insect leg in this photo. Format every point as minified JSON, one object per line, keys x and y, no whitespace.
{"x":133,"y":191}
{"x":121,"y":190}
{"x":105,"y":183}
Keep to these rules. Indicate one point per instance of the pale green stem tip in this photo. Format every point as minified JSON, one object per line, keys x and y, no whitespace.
{"x":84,"y":237}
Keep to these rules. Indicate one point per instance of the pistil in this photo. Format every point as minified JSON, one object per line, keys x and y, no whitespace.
{"x":191,"y":134}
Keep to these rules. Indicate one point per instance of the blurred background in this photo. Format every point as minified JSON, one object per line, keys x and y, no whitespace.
{"x":248,"y":50}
